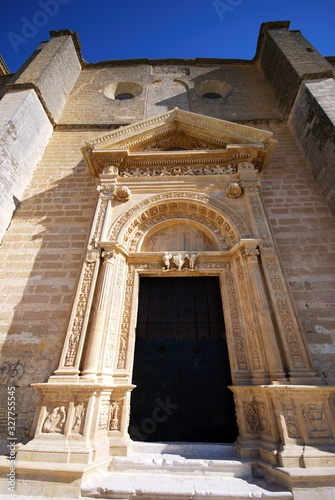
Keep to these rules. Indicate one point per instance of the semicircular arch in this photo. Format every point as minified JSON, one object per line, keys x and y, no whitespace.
{"x":226,"y":226}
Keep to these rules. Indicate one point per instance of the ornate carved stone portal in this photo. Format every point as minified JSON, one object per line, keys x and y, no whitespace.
{"x":190,"y":212}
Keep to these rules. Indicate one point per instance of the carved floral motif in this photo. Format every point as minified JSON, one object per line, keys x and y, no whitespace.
{"x":289,"y":412}
{"x":235,"y":318}
{"x":256,"y":418}
{"x":180,"y":170}
{"x":251,"y":332}
{"x":121,"y":364}
{"x":234,"y":190}
{"x":316,"y":421}
{"x":103,"y":415}
{"x":115,"y":311}
{"x":122,"y":193}
{"x":79,"y":315}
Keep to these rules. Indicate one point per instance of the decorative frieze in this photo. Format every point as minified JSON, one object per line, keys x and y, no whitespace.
{"x":194,"y":169}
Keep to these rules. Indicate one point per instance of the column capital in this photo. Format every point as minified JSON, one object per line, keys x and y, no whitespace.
{"x":108,"y":255}
{"x":106,"y":190}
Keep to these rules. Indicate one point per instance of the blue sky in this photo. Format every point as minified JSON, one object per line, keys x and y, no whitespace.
{"x":128,"y":29}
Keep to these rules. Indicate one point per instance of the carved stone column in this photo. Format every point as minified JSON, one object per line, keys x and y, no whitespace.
{"x":267,"y":333}
{"x":97,"y":330}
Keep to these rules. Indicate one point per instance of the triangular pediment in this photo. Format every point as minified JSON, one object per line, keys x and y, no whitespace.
{"x":179,"y":135}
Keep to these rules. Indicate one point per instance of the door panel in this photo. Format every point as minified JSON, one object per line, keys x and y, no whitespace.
{"x":181,"y":365}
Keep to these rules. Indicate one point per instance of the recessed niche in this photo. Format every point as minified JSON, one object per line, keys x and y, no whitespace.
{"x":123,"y":91}
{"x":212,"y":89}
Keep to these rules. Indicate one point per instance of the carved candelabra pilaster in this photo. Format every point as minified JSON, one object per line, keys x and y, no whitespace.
{"x":97,"y":331}
{"x":266,"y":328}
{"x":75,"y":337}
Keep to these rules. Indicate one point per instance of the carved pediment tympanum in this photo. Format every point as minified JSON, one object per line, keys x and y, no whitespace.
{"x":179,"y":138}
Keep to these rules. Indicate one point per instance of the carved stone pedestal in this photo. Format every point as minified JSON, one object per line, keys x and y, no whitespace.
{"x":287,"y":426}
{"x":74,"y":423}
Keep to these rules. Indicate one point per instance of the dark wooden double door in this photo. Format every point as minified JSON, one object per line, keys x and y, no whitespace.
{"x":181,"y":366}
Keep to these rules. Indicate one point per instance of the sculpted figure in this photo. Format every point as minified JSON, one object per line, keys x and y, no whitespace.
{"x":191,"y":260}
{"x":55,"y":420}
{"x":166,"y":259}
{"x":178,"y":260}
{"x":79,"y":415}
{"x":115,"y":415}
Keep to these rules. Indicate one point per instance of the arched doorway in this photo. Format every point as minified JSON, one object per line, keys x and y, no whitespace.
{"x":181,"y":366}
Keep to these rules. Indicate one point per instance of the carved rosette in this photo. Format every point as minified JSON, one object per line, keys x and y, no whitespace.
{"x":122,"y":193}
{"x":234,"y":190}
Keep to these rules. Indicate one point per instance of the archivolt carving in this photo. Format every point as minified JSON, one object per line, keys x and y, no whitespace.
{"x":227,"y":226}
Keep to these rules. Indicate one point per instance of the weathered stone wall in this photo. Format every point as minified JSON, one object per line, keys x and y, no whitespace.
{"x":40,"y":263}
{"x":312,"y":122}
{"x":304,"y":231}
{"x":24,"y":132}
{"x":53,"y":72}
{"x":286,"y":58}
{"x":246,"y":94}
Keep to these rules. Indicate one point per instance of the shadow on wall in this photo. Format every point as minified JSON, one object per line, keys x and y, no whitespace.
{"x":237,"y":92}
{"x":42,"y":254}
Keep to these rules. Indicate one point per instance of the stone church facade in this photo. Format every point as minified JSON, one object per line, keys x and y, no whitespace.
{"x":211,"y":177}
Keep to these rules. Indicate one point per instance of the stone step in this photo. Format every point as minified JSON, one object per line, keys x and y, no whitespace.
{"x":187,"y":450}
{"x":182,"y":458}
{"x":156,"y":486}
{"x":141,"y":462}
{"x":177,"y":471}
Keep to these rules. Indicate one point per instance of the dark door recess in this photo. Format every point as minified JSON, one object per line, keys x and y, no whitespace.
{"x":181,"y":365}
